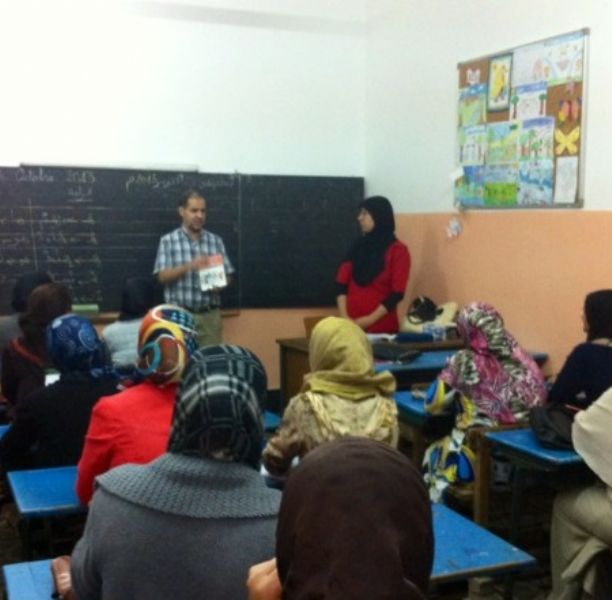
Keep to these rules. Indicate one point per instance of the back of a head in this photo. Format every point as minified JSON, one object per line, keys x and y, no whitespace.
{"x":45,"y":303}
{"x":24,"y":287}
{"x":220,"y":405}
{"x":139,"y":295}
{"x":74,"y":346}
{"x":355,"y":522}
{"x":339,"y":344}
{"x":166,"y":340}
{"x":482,"y":328}
{"x":598,"y":314}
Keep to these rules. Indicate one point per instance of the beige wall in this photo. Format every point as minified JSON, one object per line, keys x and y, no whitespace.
{"x":534,"y":266}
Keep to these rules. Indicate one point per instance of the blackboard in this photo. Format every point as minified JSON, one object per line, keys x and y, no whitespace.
{"x":93,"y":228}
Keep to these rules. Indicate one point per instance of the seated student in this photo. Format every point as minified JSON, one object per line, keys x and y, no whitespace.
{"x":50,"y":423}
{"x":341,"y":396}
{"x":492,"y":381}
{"x":581,"y":534}
{"x":121,"y":338}
{"x":190,"y":524}
{"x":355,"y":522}
{"x":9,"y":326}
{"x":25,"y":358}
{"x":587,"y":372}
{"x":134,"y":425}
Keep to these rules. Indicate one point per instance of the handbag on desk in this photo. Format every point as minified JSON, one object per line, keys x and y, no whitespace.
{"x":552,"y":425}
{"x":389,"y":351}
{"x":62,"y":581}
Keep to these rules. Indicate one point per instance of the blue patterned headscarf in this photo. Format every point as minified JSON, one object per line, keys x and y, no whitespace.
{"x":220,"y":404}
{"x":74,"y":346}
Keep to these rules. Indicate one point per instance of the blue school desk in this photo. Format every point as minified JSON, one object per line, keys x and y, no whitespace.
{"x":525,"y":452}
{"x":44,"y":494}
{"x":462,"y":550}
{"x":271,"y":421}
{"x":28,"y":580}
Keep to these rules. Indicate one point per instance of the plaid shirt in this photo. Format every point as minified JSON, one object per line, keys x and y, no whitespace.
{"x":177,"y":248}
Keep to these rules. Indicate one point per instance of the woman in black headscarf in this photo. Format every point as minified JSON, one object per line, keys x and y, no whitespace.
{"x":355,"y":522}
{"x":587,"y":372}
{"x":189,"y":524}
{"x":372,"y":279}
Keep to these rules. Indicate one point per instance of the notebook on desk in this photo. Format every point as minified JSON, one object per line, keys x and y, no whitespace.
{"x":389,"y":351}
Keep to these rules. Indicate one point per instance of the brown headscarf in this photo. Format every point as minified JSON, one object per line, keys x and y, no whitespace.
{"x":355,"y":522}
{"x":45,"y":303}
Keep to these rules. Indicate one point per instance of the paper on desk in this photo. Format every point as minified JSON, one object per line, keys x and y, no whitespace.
{"x":380,"y":337}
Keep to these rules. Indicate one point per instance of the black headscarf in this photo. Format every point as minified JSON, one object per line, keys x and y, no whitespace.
{"x":219,"y":407}
{"x":139,"y":295}
{"x":598,"y":314}
{"x":24,"y":287}
{"x":355,"y":522}
{"x":368,"y":252}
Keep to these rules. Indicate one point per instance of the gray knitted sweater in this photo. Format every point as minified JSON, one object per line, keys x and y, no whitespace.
{"x":178,"y":528}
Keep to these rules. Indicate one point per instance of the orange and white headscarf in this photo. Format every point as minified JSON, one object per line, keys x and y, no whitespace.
{"x":166,"y":340}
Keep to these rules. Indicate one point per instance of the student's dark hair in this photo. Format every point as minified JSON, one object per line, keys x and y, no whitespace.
{"x":46,"y":302}
{"x":139,"y":295}
{"x":24,"y":286}
{"x":598,"y":314}
{"x":189,"y":193}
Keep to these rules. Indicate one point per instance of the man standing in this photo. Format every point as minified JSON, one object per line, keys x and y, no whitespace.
{"x":181,"y":255}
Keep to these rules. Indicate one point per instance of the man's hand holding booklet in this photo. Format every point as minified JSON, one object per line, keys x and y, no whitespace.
{"x":212,"y":276}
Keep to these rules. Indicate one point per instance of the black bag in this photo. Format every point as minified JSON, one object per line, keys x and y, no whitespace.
{"x":393,"y":352}
{"x":422,"y":310}
{"x":552,"y":425}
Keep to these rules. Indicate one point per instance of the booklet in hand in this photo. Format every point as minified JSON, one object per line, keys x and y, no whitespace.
{"x":213,"y":275}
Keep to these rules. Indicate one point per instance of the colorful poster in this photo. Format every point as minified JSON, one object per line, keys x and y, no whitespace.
{"x":472,"y":145}
{"x":536,"y":139}
{"x":501,"y":185}
{"x":469,"y":189}
{"x":528,"y":101}
{"x":536,"y":182}
{"x":502,"y":141}
{"x":556,"y":61}
{"x":499,"y":82}
{"x":473,"y":105}
{"x":566,"y":180}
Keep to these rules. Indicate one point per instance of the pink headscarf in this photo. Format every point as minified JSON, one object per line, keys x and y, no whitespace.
{"x":495,"y":372}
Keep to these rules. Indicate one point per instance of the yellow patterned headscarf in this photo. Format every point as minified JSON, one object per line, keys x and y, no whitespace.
{"x":341,"y":362}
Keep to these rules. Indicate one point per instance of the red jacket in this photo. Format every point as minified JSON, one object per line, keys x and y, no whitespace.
{"x":361,"y":301}
{"x":130,"y":427}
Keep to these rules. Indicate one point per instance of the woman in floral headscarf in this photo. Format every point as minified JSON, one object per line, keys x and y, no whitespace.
{"x":134,"y":426}
{"x":492,"y":381}
{"x":191,"y":523}
{"x":50,"y":423}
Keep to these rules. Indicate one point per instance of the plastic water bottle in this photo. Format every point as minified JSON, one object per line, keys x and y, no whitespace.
{"x":437,"y":332}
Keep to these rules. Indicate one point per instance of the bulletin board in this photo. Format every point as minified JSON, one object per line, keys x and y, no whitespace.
{"x":521,"y":126}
